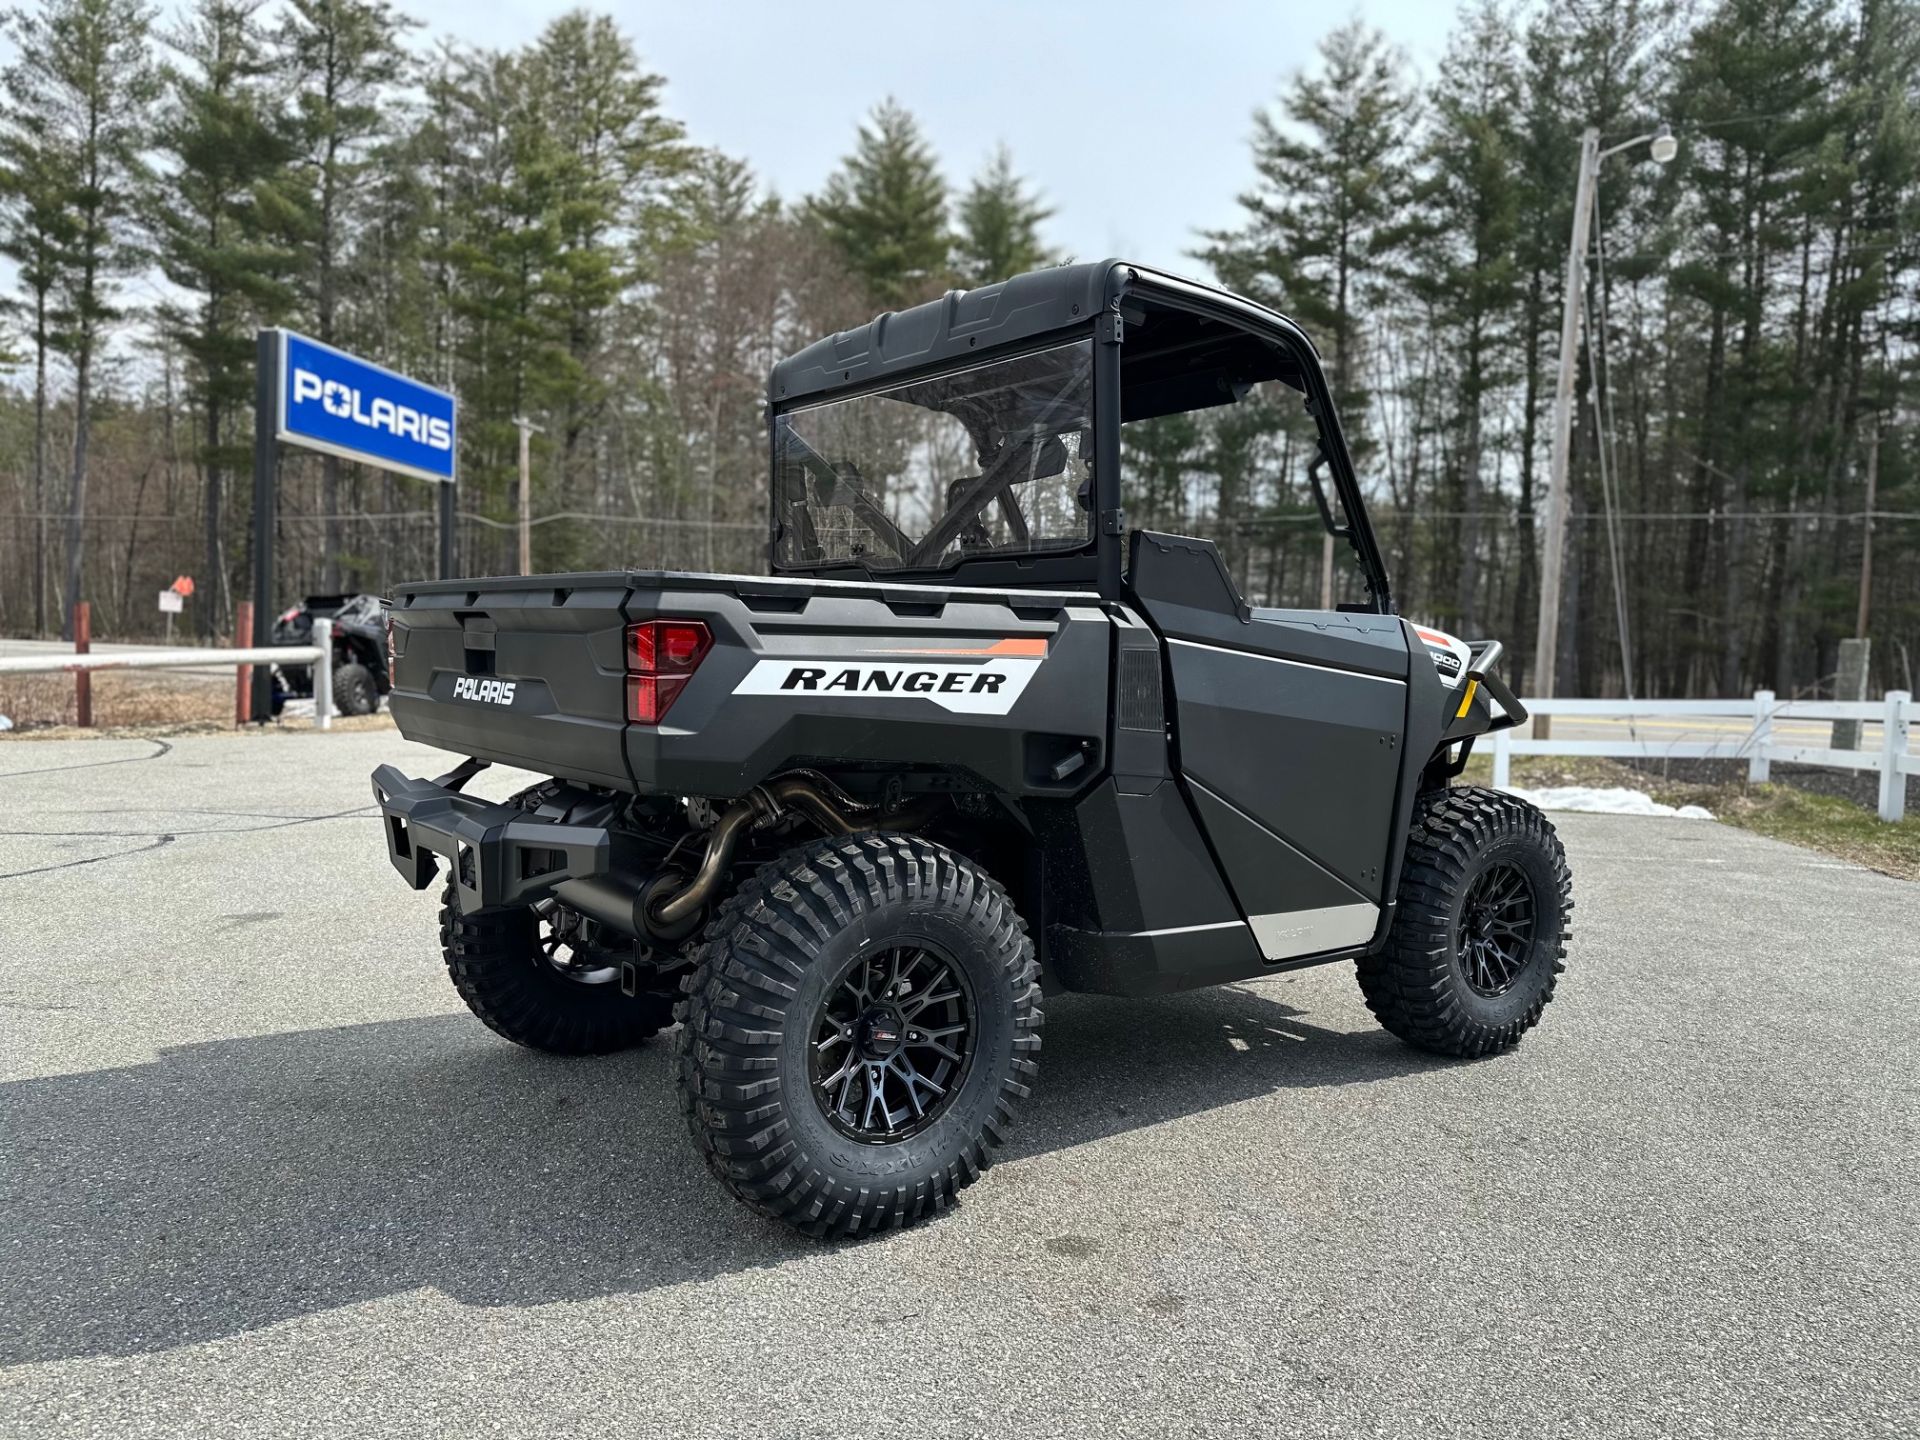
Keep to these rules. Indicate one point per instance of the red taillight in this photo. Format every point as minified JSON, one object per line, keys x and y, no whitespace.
{"x":661,"y":657}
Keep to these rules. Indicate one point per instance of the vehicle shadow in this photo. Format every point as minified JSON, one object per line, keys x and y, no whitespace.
{"x":232,"y":1185}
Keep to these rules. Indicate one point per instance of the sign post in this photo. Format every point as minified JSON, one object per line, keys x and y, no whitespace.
{"x":319,"y":398}
{"x":266,"y":496}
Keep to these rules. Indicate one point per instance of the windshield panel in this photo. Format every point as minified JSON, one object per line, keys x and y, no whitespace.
{"x":994,"y":460}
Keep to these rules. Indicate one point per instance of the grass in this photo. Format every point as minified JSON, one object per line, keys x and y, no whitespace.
{"x":134,"y":703}
{"x":1825,"y":823}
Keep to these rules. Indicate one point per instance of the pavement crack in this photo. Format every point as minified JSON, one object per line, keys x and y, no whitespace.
{"x":163,"y":840}
{"x":280,"y":823}
{"x":164,"y":749}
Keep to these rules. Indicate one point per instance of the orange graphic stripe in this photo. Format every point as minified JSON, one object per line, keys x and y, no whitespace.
{"x":1036,"y":648}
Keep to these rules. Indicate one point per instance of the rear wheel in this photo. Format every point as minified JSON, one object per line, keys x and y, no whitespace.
{"x":539,"y":977}
{"x":861,"y":1018}
{"x":354,"y":691}
{"x":1479,"y":934}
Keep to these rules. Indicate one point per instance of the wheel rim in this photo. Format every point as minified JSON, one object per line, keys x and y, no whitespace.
{"x":891,"y":1043}
{"x":561,"y":946}
{"x":1496,"y":929}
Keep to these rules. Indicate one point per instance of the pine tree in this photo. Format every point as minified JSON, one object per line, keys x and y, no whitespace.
{"x":999,"y":234}
{"x":885,"y":211}
{"x":1322,"y":218}
{"x":344,"y":58}
{"x":614,"y":156}
{"x":89,"y":82}
{"x":34,"y":233}
{"x":224,"y":224}
{"x":1752,"y":86}
{"x":1468,"y":224}
{"x":497,"y":234}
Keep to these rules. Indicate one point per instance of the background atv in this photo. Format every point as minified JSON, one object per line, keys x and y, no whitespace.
{"x":970,"y":737}
{"x":359,"y":649}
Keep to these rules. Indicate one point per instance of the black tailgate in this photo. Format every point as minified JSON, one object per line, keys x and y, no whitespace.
{"x":526,"y":671}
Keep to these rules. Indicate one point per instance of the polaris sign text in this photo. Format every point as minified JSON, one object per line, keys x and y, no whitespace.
{"x":332,"y":402}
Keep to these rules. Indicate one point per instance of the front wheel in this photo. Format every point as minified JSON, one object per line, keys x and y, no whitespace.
{"x":861,"y":1018}
{"x":1479,"y":934}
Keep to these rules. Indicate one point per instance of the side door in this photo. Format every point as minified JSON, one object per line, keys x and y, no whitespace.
{"x":1287,"y":728}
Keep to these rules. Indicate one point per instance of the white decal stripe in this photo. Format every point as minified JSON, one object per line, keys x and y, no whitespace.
{"x":1282,"y":660}
{"x":985,"y":687}
{"x":1190,"y":929}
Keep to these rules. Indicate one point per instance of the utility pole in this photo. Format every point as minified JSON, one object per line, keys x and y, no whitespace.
{"x":527,"y":431}
{"x":1559,"y":502}
{"x":1662,"y":147}
{"x":1866,"y":541}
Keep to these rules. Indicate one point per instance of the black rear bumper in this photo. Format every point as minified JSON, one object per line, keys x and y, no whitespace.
{"x":498,"y":855}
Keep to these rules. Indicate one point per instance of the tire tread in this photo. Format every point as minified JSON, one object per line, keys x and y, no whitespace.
{"x":1412,"y":985}
{"x":749,"y":963}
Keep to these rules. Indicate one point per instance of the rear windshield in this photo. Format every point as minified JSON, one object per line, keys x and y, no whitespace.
{"x":994,"y":460}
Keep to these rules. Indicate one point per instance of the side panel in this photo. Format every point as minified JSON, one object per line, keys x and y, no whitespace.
{"x":1289,"y":729}
{"x":1011,"y":693}
{"x":1135,"y":901}
{"x":1295,"y":906}
{"x":1309,"y":753}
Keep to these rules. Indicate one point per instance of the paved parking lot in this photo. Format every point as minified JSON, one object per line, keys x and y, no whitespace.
{"x":261,"y":1175}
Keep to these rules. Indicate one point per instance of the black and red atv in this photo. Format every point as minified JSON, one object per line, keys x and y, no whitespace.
{"x":359,"y":649}
{"x":971,"y":739}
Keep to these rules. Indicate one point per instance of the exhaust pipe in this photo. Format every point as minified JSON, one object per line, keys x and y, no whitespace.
{"x":762,"y":805}
{"x":663,"y":907}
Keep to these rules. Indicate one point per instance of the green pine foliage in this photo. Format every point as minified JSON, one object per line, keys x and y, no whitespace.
{"x":76,"y":118}
{"x":999,"y":226}
{"x":884,"y":212}
{"x":225,"y":220}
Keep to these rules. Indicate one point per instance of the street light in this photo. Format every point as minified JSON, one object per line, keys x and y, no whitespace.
{"x":1662,"y":147}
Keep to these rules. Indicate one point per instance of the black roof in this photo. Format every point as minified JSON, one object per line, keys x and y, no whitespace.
{"x":977,"y":322}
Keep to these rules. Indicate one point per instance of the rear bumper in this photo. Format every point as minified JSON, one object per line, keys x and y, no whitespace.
{"x":497,"y":855}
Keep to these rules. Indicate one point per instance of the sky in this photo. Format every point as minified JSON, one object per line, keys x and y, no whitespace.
{"x":1131,"y":116}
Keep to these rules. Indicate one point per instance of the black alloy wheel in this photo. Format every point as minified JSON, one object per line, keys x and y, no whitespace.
{"x":891,"y":1043}
{"x":1496,"y":929}
{"x":565,"y":945}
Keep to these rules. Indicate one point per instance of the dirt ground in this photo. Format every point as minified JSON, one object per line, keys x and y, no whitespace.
{"x":133,"y":702}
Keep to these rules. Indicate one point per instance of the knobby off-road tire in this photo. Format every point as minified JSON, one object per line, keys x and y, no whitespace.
{"x":778,"y":971}
{"x":1479,"y":935}
{"x":354,"y":690}
{"x":499,"y":969}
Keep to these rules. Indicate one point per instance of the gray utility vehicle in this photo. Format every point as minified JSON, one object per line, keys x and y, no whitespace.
{"x":969,"y":738}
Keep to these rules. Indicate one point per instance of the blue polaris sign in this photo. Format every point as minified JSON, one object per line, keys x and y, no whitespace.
{"x":333,"y":402}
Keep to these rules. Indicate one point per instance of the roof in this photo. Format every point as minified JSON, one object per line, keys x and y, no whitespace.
{"x":974,"y":322}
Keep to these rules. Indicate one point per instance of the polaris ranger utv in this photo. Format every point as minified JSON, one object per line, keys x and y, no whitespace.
{"x":969,"y":738}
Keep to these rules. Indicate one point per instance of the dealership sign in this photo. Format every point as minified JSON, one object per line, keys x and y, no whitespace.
{"x":336,"y":403}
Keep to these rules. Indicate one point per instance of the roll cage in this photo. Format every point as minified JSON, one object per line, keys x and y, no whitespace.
{"x":1161,"y":345}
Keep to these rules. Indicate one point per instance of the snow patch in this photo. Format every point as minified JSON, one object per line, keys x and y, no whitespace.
{"x":1606,"y":800}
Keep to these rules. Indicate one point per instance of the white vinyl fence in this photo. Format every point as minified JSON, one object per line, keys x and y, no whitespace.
{"x":319,"y":655}
{"x":1889,"y":757}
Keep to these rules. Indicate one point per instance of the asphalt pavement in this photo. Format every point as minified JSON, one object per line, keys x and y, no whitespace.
{"x":261,"y":1175}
